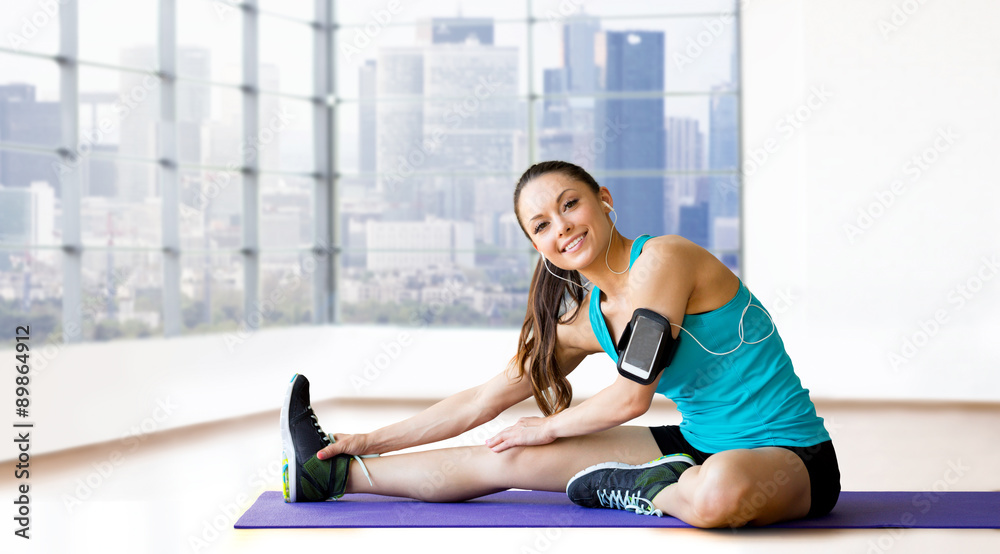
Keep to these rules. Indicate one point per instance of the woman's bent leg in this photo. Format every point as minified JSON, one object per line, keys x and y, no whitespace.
{"x":455,"y":474}
{"x":732,"y":488}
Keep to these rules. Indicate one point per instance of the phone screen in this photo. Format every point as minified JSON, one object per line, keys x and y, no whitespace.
{"x":646,"y":337}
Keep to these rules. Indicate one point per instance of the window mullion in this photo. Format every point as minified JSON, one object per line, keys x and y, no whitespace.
{"x":251,"y":176}
{"x":167,"y":152}
{"x":323,"y":143}
{"x":532,"y":152}
{"x":69,"y":175}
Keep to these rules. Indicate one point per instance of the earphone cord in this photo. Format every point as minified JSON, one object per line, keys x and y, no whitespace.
{"x":742,"y":315}
{"x":742,"y":342}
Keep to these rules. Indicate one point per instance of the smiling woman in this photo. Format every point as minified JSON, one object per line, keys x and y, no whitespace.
{"x":747,"y":419}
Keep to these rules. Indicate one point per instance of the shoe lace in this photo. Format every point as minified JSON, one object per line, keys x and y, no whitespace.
{"x":328,"y":440}
{"x":628,"y":501}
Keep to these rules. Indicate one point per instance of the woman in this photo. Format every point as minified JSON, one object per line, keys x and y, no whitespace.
{"x":750,"y":449}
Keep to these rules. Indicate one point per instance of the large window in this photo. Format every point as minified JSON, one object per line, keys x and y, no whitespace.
{"x":216,"y":165}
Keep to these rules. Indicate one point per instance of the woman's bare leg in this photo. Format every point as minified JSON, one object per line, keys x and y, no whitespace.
{"x":731,"y":489}
{"x":758,"y":486}
{"x":454,"y":474}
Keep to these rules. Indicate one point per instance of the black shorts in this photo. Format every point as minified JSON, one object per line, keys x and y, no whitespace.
{"x":820,"y":460}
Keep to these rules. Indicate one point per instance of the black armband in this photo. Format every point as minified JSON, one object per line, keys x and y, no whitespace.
{"x":646,"y":347}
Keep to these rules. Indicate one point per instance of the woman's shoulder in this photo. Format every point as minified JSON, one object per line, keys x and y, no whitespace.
{"x":667,"y":253}
{"x":674,"y":243}
{"x":677,"y":262}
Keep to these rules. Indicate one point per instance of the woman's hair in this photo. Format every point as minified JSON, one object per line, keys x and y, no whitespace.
{"x":536,"y":346}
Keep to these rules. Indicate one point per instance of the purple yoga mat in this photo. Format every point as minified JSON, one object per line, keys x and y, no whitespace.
{"x":861,"y":509}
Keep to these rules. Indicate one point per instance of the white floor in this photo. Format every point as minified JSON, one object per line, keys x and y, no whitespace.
{"x":182,"y":490}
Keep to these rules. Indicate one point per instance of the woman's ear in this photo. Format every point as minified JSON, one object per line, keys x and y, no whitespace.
{"x":604,"y":195}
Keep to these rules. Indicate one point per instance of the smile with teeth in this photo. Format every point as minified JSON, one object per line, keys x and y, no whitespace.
{"x":574,"y":244}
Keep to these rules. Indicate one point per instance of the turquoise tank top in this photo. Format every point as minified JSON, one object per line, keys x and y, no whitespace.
{"x":746,"y":399}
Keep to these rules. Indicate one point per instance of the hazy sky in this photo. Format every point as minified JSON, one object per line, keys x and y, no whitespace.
{"x":217,"y":26}
{"x":287,"y":45}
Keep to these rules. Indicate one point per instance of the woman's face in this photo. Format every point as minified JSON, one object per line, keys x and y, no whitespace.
{"x":556,"y":211}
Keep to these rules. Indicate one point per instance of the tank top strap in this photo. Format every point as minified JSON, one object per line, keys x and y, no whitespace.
{"x":637,"y":248}
{"x":597,"y":321}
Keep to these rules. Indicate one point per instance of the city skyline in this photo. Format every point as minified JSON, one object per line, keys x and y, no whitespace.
{"x":459,"y":55}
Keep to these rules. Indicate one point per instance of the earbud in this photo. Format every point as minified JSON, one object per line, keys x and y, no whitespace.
{"x":606,"y":205}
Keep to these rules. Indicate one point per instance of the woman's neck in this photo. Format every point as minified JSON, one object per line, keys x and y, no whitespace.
{"x":598,"y":272}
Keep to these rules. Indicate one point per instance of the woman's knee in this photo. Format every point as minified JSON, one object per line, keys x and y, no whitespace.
{"x":507,"y":465}
{"x":721,"y":496}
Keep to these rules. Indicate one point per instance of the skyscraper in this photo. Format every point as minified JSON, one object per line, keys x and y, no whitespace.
{"x":194,"y":103}
{"x":27,"y":214}
{"x":137,"y":181}
{"x":25,"y":120}
{"x":399,"y":124}
{"x":138,"y":137}
{"x":461,"y":30}
{"x":468,"y":121}
{"x":723,"y":150}
{"x":634,"y":63}
{"x":555,"y":111}
{"x":694,"y":224}
{"x":367,"y":137}
{"x":684,"y":153}
{"x":578,"y":49}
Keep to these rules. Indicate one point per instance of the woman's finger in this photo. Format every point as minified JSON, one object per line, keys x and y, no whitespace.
{"x":329,"y":451}
{"x":497,"y":438}
{"x":500,"y":446}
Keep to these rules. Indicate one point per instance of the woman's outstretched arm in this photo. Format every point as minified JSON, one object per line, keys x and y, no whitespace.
{"x":614,"y":405}
{"x":448,"y":418}
{"x":662,"y":279}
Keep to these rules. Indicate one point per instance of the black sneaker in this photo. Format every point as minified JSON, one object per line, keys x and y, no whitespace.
{"x":305,"y":477}
{"x":627,"y":487}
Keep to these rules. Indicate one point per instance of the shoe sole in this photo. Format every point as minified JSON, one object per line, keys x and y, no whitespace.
{"x":289,"y":463}
{"x":619,"y":465}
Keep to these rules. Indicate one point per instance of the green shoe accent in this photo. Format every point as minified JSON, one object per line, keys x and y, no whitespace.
{"x":655,"y":479}
{"x":323,"y":479}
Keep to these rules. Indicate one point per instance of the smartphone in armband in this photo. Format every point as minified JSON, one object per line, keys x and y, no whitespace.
{"x":646,"y":347}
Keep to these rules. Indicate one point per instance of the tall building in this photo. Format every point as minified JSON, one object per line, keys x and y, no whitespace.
{"x":566,"y":125}
{"x":723,"y":150}
{"x":399,"y":124}
{"x":634,"y":63}
{"x":456,"y":112}
{"x":138,"y":138}
{"x":684,"y":153}
{"x":25,"y":120}
{"x":555,"y":111}
{"x":367,"y":91}
{"x":98,"y":174}
{"x":27,"y":214}
{"x":578,"y":53}
{"x":694,"y":224}
{"x":459,"y":30}
{"x":139,"y":130}
{"x":471,"y":118}
{"x":470,"y":105}
{"x":194,"y":103}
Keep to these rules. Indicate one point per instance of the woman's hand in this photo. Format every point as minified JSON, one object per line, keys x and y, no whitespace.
{"x":528,"y":431}
{"x":344,"y":444}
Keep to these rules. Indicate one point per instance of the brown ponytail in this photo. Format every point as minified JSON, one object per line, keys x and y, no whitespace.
{"x":548,"y":299}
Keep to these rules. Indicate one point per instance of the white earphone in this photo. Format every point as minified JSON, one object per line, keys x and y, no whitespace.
{"x":740,"y":329}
